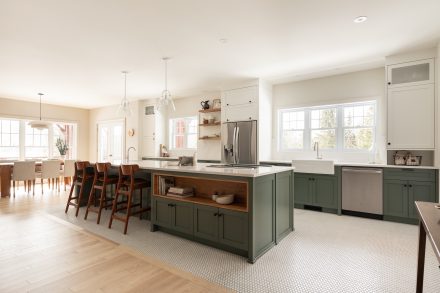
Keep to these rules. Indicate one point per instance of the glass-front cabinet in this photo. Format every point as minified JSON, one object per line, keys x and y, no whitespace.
{"x":411,"y":73}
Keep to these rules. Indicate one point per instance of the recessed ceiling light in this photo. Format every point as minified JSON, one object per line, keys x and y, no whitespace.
{"x":360,"y":19}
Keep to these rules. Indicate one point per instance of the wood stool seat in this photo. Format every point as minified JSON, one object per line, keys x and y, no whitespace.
{"x":80,"y":177}
{"x":103,"y":178}
{"x":127,"y":184}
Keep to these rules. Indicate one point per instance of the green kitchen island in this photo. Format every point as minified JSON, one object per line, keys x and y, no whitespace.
{"x":260,"y":216}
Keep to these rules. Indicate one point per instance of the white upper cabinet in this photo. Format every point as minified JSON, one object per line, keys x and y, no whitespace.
{"x":411,"y":121}
{"x":241,"y":113}
{"x":240,"y":96}
{"x":410,"y":73}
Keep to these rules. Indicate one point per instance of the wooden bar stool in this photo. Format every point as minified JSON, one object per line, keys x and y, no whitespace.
{"x":128,"y":183}
{"x":100,"y":182}
{"x":79,"y":179}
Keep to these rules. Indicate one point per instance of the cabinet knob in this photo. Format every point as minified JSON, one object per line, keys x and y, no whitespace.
{"x":227,"y":104}
{"x":250,"y":118}
{"x":220,"y":215}
{"x":215,"y":214}
{"x":404,"y":185}
{"x":227,"y":119}
{"x":250,"y":101}
{"x":389,"y":83}
{"x":410,"y":185}
{"x":389,"y":143}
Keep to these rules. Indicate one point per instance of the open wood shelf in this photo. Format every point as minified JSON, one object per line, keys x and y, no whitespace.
{"x":209,"y":110}
{"x":210,"y":138}
{"x":204,"y":188}
{"x":210,"y":124}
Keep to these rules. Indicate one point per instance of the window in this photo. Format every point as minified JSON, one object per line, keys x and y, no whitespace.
{"x":9,"y":139}
{"x":347,"y":127}
{"x":292,"y":129}
{"x":20,"y":141}
{"x":65,"y":132}
{"x":36,"y":143}
{"x":323,"y":127}
{"x":183,"y":133}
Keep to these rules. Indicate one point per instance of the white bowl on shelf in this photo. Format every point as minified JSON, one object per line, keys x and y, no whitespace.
{"x":225,"y":199}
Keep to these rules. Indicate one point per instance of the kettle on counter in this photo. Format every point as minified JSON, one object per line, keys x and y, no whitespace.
{"x":205,"y":105}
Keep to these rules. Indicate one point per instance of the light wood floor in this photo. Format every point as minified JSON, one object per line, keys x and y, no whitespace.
{"x":41,"y":253}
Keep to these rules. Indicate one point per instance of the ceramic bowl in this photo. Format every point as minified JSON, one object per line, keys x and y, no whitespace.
{"x":225,"y":199}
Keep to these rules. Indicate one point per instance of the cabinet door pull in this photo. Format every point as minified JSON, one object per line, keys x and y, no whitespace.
{"x":410,"y":185}
{"x":404,"y":185}
{"x":215,"y":214}
{"x":220,"y":215}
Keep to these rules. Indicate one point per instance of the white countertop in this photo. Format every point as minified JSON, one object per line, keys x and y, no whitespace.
{"x":204,"y":169}
{"x":354,"y":164}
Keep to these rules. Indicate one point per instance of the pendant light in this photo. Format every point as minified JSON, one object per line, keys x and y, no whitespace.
{"x":165,"y":100}
{"x":124,"y":108}
{"x":39,"y":124}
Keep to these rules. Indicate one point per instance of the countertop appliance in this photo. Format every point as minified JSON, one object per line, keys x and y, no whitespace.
{"x":362,"y":190}
{"x":239,"y":142}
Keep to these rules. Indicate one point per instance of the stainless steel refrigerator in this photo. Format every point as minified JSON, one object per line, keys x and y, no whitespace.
{"x":239,"y":142}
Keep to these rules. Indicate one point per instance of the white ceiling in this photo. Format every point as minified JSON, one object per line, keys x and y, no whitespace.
{"x":73,"y":51}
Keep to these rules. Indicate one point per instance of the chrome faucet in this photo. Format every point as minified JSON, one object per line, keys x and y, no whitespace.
{"x":316,"y":148}
{"x":127,"y":159}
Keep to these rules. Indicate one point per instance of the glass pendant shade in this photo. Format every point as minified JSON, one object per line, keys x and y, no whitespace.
{"x":124,"y":109}
{"x":165,"y":99}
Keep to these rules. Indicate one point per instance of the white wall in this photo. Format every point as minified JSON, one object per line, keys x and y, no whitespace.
{"x":108,"y":114}
{"x":30,"y":110}
{"x":351,"y":87}
{"x":190,"y":106}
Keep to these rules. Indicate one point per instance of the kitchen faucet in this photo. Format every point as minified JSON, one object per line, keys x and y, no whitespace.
{"x":128,"y":153}
{"x":316,"y":148}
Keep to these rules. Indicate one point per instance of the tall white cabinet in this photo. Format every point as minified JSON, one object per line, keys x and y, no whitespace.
{"x":153,"y":131}
{"x":251,"y":102}
{"x":411,"y":105}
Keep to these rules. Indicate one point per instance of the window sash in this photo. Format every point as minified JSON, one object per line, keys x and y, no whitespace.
{"x":339,"y":129}
{"x":185,"y":134}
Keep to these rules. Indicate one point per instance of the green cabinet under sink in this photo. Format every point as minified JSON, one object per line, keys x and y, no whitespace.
{"x":316,"y":190}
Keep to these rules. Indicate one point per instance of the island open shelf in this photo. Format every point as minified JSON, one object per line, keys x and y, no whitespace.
{"x":204,"y":188}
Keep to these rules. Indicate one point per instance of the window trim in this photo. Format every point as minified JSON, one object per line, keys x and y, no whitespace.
{"x":185,"y":136}
{"x":307,"y":145}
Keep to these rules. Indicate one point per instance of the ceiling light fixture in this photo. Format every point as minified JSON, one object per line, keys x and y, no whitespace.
{"x":165,"y":100}
{"x":39,"y":124}
{"x":124,"y":108}
{"x":360,"y":19}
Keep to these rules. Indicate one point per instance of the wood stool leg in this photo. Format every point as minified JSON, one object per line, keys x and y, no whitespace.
{"x":127,"y":218}
{"x":81,"y":191}
{"x":70,"y":197}
{"x":89,"y":202}
{"x":101,"y":202}
{"x":115,"y":202}
{"x":42,"y":183}
{"x":13,"y":186}
{"x":140,"y":192}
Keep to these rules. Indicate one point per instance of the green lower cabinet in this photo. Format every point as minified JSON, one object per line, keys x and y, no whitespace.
{"x":283,"y":205}
{"x":173,"y":215}
{"x":419,"y":191}
{"x":161,"y":212}
{"x":400,"y":195}
{"x":233,"y":229}
{"x":302,"y":189}
{"x":395,"y":198}
{"x":325,"y":191}
{"x":221,"y":226}
{"x":206,"y":222}
{"x":316,"y":190}
{"x":181,"y":217}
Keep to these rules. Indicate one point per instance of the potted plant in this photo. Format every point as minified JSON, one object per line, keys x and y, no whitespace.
{"x":62,"y":147}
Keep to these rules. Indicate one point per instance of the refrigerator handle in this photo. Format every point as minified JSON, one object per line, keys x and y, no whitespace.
{"x":237,"y":154}
{"x":233,"y":145}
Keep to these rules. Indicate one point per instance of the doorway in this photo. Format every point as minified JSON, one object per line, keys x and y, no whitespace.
{"x":111,"y":141}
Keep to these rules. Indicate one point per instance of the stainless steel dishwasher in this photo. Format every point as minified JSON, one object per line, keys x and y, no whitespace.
{"x":362,"y":190}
